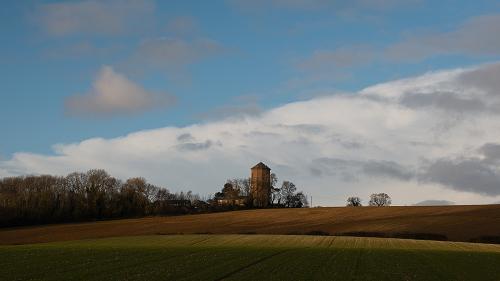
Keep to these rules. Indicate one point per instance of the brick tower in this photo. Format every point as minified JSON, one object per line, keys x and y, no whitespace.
{"x":260,"y":185}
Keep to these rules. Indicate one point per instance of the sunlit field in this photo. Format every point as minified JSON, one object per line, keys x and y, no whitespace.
{"x":250,"y":257}
{"x":456,"y":223}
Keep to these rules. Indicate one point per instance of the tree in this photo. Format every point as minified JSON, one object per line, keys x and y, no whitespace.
{"x":95,"y":194}
{"x":274,"y":180}
{"x":134,"y":197}
{"x":218,"y":195}
{"x":241,"y":185}
{"x":100,"y":186}
{"x":287,"y":193}
{"x":354,"y":202}
{"x":298,"y":200}
{"x":229,"y":191}
{"x":275,"y":192}
{"x":380,"y":199}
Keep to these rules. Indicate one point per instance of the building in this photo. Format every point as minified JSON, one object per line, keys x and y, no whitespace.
{"x":260,"y":190}
{"x":239,"y":201}
{"x":178,"y":203}
{"x":260,"y":185}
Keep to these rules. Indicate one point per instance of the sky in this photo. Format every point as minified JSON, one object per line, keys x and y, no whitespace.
{"x":343,"y":98}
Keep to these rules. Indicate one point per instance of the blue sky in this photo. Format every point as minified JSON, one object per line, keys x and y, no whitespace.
{"x":341,"y":97}
{"x":255,"y":66}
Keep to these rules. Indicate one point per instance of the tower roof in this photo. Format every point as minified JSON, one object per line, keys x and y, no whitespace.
{"x":261,"y":166}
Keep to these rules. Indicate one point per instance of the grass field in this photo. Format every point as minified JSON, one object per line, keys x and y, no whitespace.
{"x":250,"y":257}
{"x":457,"y":223}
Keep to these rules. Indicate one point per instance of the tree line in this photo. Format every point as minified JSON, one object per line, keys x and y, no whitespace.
{"x":93,"y":195}
{"x":96,"y":195}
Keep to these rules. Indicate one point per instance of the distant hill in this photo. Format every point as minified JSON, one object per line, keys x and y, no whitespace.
{"x":434,"y":203}
{"x":455,"y":223}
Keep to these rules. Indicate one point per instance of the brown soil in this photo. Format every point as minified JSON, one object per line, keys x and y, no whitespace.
{"x":458,"y":223}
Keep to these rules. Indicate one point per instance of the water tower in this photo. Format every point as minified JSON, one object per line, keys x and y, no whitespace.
{"x":260,"y":185}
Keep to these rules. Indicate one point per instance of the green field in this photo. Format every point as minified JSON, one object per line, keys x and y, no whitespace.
{"x":250,"y":257}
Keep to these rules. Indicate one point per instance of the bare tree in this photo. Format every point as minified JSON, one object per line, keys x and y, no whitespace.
{"x":95,"y":194}
{"x":354,"y":202}
{"x":275,"y":192}
{"x":229,"y":190}
{"x":288,"y":189}
{"x":380,"y":199}
{"x":241,"y":185}
{"x":274,"y":179}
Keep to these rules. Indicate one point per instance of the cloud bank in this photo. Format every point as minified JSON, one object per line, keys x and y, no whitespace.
{"x":112,"y":93}
{"x":436,"y":134}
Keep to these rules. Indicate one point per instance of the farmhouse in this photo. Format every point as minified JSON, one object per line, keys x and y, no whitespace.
{"x":238,"y":201}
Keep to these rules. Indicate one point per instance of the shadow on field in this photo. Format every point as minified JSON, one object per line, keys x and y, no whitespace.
{"x":491,"y":239}
{"x":486,"y":239}
{"x":400,"y":235}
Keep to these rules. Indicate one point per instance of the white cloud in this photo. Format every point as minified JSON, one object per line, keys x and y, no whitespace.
{"x":92,"y":16}
{"x":4,"y":173}
{"x":112,"y":93}
{"x":332,"y":147}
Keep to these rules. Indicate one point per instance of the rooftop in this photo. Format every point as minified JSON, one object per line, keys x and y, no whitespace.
{"x":261,"y":166}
